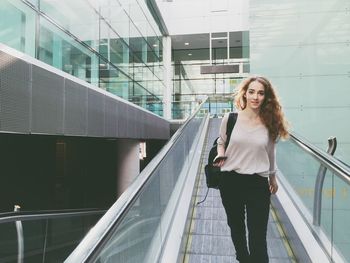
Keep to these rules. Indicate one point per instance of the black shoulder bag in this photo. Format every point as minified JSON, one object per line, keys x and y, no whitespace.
{"x":212,"y":173}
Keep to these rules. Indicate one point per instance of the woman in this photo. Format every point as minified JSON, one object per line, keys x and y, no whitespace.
{"x":249,"y":170}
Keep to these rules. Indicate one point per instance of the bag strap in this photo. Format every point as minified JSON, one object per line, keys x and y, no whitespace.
{"x":232,"y":118}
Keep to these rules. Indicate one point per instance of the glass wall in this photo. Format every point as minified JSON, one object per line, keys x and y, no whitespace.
{"x":17,"y":24}
{"x":190,"y":86}
{"x":303,"y":46}
{"x":113,"y":44}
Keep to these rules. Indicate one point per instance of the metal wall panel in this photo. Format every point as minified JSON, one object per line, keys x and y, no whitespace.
{"x":165,"y":134}
{"x":128,"y":126}
{"x":96,"y":114}
{"x":47,"y":101}
{"x":15,"y":89}
{"x":141,"y":121}
{"x":153,"y":127}
{"x":158,"y":130}
{"x":132,"y":122}
{"x":36,"y":98}
{"x":148,"y":126}
{"x":122,"y":120}
{"x":110,"y":117}
{"x":75,"y":109}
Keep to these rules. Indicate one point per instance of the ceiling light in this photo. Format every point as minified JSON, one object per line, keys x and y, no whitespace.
{"x":186,"y":43}
{"x":155,"y":45}
{"x":190,"y":54}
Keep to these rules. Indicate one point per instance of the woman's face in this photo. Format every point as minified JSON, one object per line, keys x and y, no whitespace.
{"x":255,"y":95}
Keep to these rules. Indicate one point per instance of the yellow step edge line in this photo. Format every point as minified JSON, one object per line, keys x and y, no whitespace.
{"x":189,"y":240}
{"x":282,"y":233}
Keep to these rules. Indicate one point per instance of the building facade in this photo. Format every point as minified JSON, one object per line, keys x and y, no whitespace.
{"x":115,"y":45}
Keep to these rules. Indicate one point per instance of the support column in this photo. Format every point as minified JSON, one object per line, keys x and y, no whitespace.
{"x":128,"y":163}
{"x":167,"y":77}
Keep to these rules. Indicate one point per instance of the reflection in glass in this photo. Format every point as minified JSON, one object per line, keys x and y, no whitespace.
{"x":341,"y":217}
{"x":301,"y":171}
{"x":17,"y":26}
{"x":141,"y":233}
{"x":106,"y":43}
{"x":45,"y":240}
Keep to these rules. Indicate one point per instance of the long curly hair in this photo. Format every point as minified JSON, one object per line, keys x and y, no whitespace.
{"x":271,"y":113}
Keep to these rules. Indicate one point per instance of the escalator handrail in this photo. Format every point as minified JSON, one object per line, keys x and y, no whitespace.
{"x":26,"y":216}
{"x":31,"y":212}
{"x":115,"y":214}
{"x":329,"y":161}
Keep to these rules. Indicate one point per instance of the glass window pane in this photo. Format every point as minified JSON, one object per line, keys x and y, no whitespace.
{"x":83,"y":24}
{"x":17,"y":26}
{"x":61,"y":51}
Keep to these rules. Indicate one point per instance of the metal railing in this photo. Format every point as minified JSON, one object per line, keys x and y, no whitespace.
{"x":332,"y":146}
{"x":43,"y":236}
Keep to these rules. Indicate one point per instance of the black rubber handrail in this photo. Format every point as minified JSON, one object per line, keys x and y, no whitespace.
{"x":50,"y":214}
{"x":338,"y":167}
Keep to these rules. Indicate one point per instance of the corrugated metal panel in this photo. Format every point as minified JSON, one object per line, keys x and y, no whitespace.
{"x":153,"y":129}
{"x":148,"y":126}
{"x":110,"y":117}
{"x":132,"y":123}
{"x":95,"y":113}
{"x":122,"y":120}
{"x":47,"y":102}
{"x":75,"y":110}
{"x":141,"y":124}
{"x":162,"y":131}
{"x":36,"y":98}
{"x":15,"y":85}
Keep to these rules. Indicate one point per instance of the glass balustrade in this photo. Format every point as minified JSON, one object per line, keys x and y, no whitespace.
{"x":45,"y":239}
{"x":301,"y":170}
{"x":139,"y":234}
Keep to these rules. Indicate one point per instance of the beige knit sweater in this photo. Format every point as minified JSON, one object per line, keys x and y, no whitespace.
{"x":250,"y":149}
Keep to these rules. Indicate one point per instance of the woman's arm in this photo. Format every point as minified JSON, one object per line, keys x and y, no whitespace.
{"x":271,"y":151}
{"x":222,"y":141}
{"x":222,"y":136}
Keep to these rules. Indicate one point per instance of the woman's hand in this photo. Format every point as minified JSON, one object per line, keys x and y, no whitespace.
{"x":219,"y":161}
{"x":273,"y":186}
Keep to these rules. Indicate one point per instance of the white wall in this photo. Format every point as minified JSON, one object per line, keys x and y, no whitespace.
{"x":203,"y":16}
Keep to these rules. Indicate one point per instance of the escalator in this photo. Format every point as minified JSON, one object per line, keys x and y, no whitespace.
{"x":157,"y":220}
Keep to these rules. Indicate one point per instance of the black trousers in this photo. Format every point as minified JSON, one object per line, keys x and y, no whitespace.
{"x":247,"y":195}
